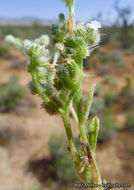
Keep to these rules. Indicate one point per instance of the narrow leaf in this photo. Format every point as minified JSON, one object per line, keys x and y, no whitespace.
{"x":93,"y":133}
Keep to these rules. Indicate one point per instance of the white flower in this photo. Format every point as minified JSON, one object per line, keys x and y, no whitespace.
{"x":94,"y":25}
{"x":10,"y":39}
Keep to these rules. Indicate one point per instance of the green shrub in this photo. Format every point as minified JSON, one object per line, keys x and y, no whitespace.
{"x":108,"y":111}
{"x":129,"y":52}
{"x":10,"y":94}
{"x":103,"y":70}
{"x":99,"y":89}
{"x":110,"y":98}
{"x":108,"y":126}
{"x":104,"y":57}
{"x":3,"y":51}
{"x":109,"y":79}
{"x":63,"y":164}
{"x":130,"y":121}
{"x":128,"y":84}
{"x":129,"y":99}
{"x":120,"y":64}
{"x":115,"y":56}
{"x":97,"y":105}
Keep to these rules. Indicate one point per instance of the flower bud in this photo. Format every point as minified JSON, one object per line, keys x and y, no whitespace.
{"x":81,"y":49}
{"x":93,"y":37}
{"x":33,"y":49}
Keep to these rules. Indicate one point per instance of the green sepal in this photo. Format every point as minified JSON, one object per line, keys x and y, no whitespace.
{"x":75,"y":48}
{"x":70,"y":42}
{"x":70,"y":75}
{"x":81,"y":32}
{"x":92,"y":36}
{"x":81,"y":50}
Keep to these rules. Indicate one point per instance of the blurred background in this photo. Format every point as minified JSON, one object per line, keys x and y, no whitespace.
{"x":33,"y":153}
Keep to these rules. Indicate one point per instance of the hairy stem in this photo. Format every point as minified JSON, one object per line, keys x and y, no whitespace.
{"x":66,"y":120}
{"x":74,"y":114}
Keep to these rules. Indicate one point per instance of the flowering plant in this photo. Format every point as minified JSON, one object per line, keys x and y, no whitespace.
{"x":58,"y":81}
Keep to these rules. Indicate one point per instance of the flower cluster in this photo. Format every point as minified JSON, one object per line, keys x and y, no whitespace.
{"x":89,"y":32}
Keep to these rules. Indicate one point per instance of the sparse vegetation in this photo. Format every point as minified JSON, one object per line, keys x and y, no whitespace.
{"x":105,"y":57}
{"x":130,"y":121}
{"x":10,"y":94}
{"x":109,"y":79}
{"x":129,"y":51}
{"x":110,"y":98}
{"x":120,"y":64}
{"x":4,"y":51}
{"x":128,"y":84}
{"x":99,"y":89}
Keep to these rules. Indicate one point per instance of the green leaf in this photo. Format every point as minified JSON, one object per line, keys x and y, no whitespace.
{"x":93,"y":133}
